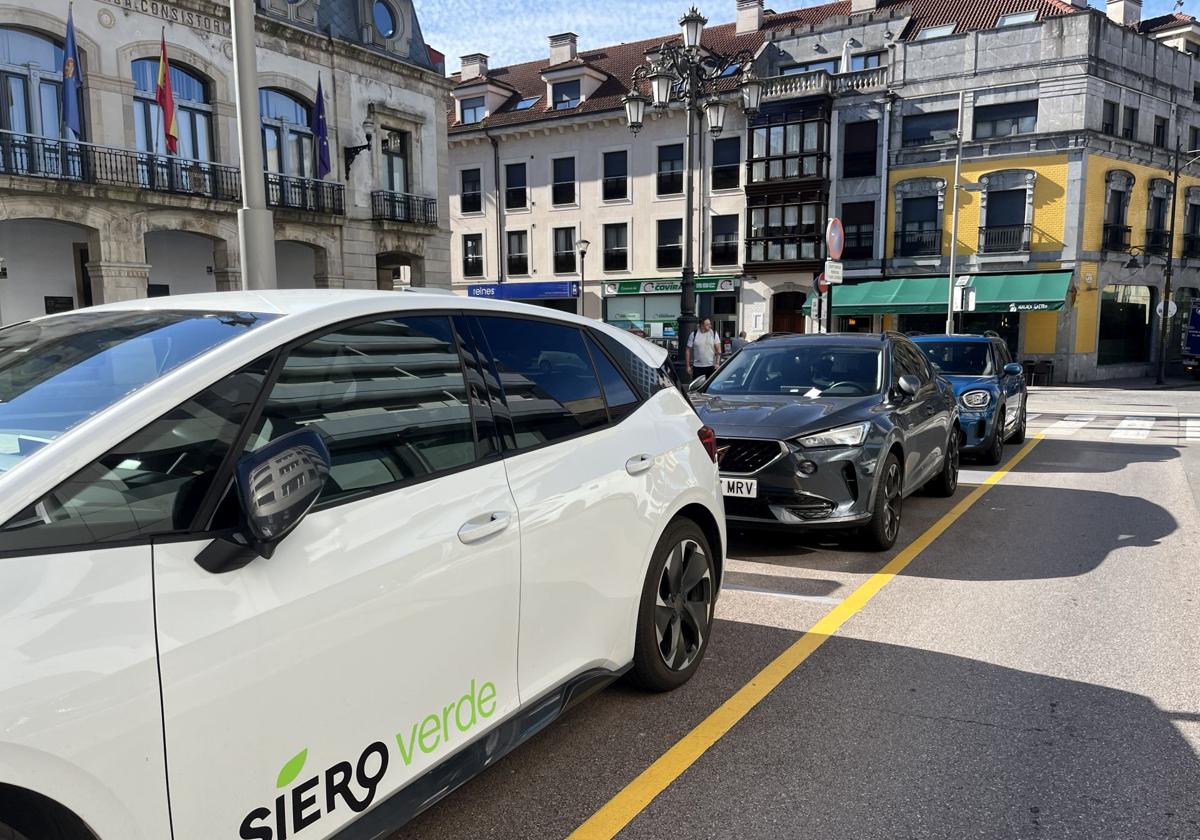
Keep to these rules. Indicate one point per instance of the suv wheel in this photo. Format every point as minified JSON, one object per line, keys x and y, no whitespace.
{"x":881,"y":532}
{"x":994,"y":453}
{"x":946,"y":481}
{"x":676,"y":610}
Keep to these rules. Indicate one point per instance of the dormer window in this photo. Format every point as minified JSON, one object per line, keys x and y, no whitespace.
{"x":565,"y":95}
{"x":931,"y":32}
{"x":473,"y":110}
{"x":527,"y":103}
{"x":1017,"y":18}
{"x":385,"y":19}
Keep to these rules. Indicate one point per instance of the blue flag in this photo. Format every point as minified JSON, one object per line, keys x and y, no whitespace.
{"x":72,"y":74}
{"x":321,"y":132}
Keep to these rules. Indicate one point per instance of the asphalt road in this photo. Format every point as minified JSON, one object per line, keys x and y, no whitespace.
{"x":1034,"y":672}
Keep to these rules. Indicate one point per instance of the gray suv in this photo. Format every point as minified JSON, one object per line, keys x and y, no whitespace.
{"x":830,"y":431}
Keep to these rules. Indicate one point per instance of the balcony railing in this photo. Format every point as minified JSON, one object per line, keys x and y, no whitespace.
{"x":860,"y":245}
{"x":919,"y":243}
{"x":1004,"y":239}
{"x":1116,"y":238}
{"x":820,"y":81}
{"x":1158,"y":241}
{"x":296,"y":193}
{"x":1191,"y":246}
{"x":402,"y":207}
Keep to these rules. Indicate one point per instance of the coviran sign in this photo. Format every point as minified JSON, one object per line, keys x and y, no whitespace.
{"x":173,"y":14}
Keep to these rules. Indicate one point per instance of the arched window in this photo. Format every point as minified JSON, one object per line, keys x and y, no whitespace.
{"x":385,"y":19}
{"x":286,"y":133}
{"x":193,"y":111}
{"x":30,"y":83}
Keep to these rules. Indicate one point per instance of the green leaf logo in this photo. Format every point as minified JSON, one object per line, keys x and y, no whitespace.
{"x":292,"y":769}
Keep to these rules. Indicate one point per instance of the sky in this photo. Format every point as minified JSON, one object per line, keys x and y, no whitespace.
{"x":513,"y":31}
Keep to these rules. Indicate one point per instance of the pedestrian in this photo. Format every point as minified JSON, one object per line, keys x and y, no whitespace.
{"x":739,"y":342}
{"x":703,"y":351}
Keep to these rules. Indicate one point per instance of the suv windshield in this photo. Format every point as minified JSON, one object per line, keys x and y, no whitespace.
{"x":959,"y":358}
{"x":809,"y":370}
{"x":57,"y":372}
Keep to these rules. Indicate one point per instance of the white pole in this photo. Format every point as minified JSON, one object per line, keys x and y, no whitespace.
{"x":256,"y":224}
{"x":954,"y":218}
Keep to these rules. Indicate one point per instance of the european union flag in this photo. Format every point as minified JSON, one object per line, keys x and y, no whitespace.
{"x":72,"y":74}
{"x":321,"y":132}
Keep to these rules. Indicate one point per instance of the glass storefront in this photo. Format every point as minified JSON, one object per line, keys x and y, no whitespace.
{"x":1125,"y":325}
{"x":1183,"y":298}
{"x":651,"y":308}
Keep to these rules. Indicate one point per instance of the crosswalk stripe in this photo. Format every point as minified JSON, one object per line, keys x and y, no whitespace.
{"x":1031,"y":417}
{"x":1133,"y":428}
{"x":1069,"y":425}
{"x":1193,"y":429}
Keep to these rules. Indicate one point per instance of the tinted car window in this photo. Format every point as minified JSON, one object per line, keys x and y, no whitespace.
{"x":618,"y":395}
{"x":152,"y":483}
{"x":804,"y":369}
{"x":904,"y":364}
{"x":57,"y":372}
{"x":646,"y":379}
{"x":1002,"y":352}
{"x":959,"y":358}
{"x":388,"y":397}
{"x":547,"y":378}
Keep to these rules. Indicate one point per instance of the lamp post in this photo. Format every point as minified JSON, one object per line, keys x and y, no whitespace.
{"x":685,"y":74}
{"x":1164,"y":326}
{"x":582,"y":246}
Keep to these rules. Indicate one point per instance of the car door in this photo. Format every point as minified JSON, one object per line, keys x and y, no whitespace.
{"x":583,"y":473}
{"x":926,"y":416}
{"x":381,"y":635}
{"x":1012,"y":386}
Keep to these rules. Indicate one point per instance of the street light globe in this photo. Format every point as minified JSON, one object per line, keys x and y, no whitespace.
{"x":661,"y":81}
{"x":635,"y":110}
{"x":752,"y":91}
{"x":714,"y":111}
{"x":693,"y":27}
{"x":582,"y":245}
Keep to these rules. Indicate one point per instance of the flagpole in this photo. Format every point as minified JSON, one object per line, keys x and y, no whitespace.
{"x":256,"y":223}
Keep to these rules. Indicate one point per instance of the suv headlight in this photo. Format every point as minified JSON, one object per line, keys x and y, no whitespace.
{"x":976,"y":399}
{"x":842,"y":436}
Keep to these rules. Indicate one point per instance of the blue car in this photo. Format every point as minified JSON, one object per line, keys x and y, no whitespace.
{"x":990,"y":388}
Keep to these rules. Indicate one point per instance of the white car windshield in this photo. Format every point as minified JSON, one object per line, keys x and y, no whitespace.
{"x":57,"y":372}
{"x":803,"y":369}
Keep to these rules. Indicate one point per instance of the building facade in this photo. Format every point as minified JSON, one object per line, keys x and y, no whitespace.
{"x":111,"y":215}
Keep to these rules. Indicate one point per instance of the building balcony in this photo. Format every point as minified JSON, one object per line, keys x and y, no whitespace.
{"x":860,"y":245}
{"x":402,"y":207}
{"x":1158,"y":242}
{"x":1004,"y":239}
{"x":919,"y":243}
{"x":820,"y":82}
{"x":1115,"y":238}
{"x":1191,"y":246}
{"x":30,"y":156}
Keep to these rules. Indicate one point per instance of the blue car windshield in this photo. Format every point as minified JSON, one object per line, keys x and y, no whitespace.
{"x":56,"y":373}
{"x":807,"y":370}
{"x":960,"y":358}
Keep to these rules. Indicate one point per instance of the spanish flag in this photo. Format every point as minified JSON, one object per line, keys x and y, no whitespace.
{"x":166,"y":101}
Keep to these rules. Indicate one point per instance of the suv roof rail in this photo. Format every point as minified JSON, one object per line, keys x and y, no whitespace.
{"x":992,"y":334}
{"x":911,"y":333}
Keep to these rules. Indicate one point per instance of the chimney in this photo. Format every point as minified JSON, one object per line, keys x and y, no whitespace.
{"x":749,"y":16}
{"x":860,"y":7}
{"x":473,"y":66}
{"x":1125,"y":12}
{"x":562,"y":48}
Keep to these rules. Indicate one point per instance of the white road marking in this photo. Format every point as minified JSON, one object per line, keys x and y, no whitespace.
{"x":1069,"y":425}
{"x":1133,"y":428}
{"x":1193,"y":430}
{"x":1029,"y":418}
{"x":973,"y":476}
{"x":819,"y":599}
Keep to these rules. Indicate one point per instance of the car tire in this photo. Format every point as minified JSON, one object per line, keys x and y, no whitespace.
{"x":676,"y":610}
{"x":1018,"y":435}
{"x":880,"y":533}
{"x":994,"y":453}
{"x":946,"y":481}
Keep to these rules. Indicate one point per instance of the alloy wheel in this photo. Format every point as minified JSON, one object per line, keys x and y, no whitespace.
{"x":683,"y":605}
{"x":892,"y":502}
{"x":953,"y":459}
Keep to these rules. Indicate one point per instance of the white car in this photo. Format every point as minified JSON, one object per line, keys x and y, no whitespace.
{"x":297,"y":564}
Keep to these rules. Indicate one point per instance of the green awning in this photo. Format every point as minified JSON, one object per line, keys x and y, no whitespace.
{"x":927,"y":295}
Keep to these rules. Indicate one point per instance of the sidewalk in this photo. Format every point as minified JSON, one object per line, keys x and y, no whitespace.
{"x":1140,"y":383}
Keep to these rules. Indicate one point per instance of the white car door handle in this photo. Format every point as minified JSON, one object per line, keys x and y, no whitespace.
{"x":482,"y":527}
{"x":639,"y":464}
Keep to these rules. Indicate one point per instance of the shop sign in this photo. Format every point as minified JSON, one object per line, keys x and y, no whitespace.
{"x":518,"y":290}
{"x":1030,"y":307}
{"x":668,"y":287}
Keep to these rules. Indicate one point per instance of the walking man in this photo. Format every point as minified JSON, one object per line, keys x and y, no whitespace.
{"x":739,"y":342}
{"x":703,"y":351}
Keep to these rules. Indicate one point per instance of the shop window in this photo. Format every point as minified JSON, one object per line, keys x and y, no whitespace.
{"x":1125,"y":325}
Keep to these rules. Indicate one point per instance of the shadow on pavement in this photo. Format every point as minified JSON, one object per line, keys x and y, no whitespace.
{"x":781,"y":584}
{"x":1092,"y":456}
{"x":868,"y":740}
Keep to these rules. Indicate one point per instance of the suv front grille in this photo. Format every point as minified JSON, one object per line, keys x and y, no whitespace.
{"x":735,"y":455}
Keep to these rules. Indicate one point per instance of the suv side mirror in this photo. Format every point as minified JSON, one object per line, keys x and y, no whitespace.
{"x":697,"y":383}
{"x":276,"y":486}
{"x":1014,"y":369}
{"x":908,"y":385}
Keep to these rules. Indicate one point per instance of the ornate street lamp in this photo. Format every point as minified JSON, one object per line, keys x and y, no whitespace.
{"x":582,"y":246}
{"x":688,"y":75}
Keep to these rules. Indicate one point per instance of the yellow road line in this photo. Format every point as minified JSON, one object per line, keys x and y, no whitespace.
{"x":622,"y":808}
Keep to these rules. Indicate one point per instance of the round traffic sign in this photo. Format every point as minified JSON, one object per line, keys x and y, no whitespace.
{"x":835,"y":238}
{"x":822,"y":286}
{"x":1174,"y":307}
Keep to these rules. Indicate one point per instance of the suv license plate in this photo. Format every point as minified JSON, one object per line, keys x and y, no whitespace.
{"x":745,"y":488}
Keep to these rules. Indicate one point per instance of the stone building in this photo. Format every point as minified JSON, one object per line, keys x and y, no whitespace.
{"x":110,"y":215}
